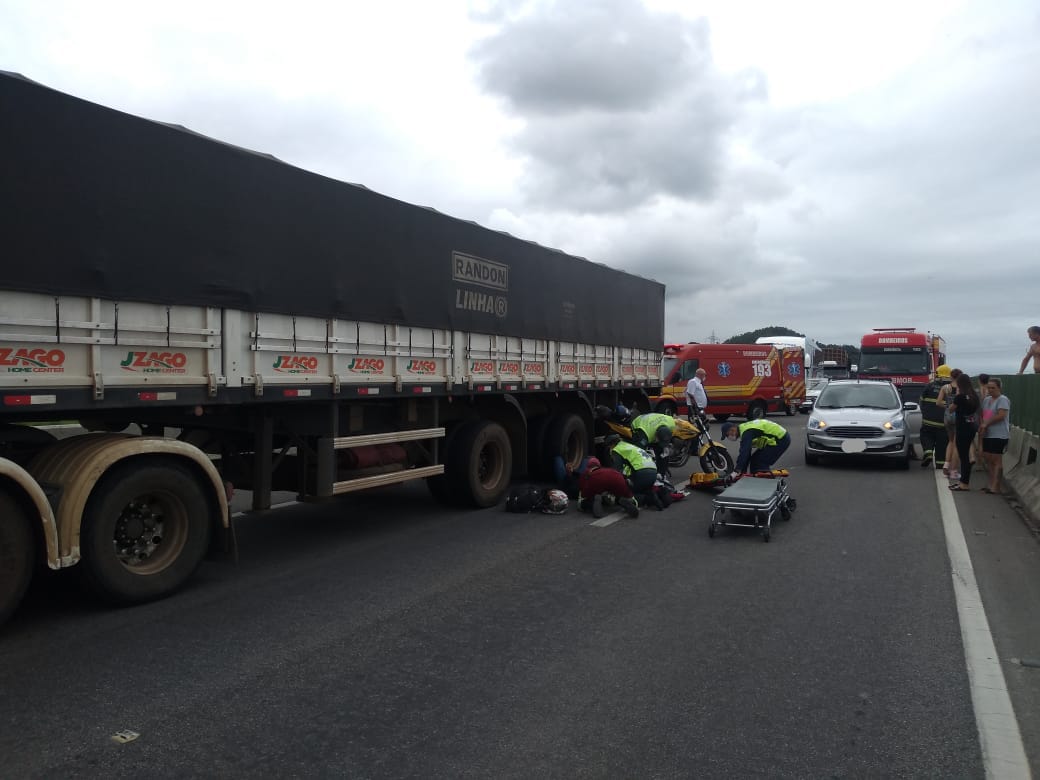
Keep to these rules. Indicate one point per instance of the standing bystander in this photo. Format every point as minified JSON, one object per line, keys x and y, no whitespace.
{"x":966,"y":409}
{"x":1034,"y":350}
{"x":953,"y":462}
{"x":995,"y":431}
{"x":696,"y":397}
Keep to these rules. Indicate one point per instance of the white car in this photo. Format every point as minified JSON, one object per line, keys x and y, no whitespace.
{"x":854,"y":417}
{"x":813,"y":388}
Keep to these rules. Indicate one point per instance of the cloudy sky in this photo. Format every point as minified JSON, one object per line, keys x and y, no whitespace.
{"x":827,"y":166}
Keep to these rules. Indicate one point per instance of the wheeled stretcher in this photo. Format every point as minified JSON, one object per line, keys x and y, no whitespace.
{"x":752,"y":502}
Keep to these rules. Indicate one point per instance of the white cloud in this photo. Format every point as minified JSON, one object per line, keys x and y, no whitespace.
{"x":828,"y":167}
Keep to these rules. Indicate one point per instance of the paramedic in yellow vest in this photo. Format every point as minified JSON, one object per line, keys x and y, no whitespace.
{"x":637,"y":465}
{"x":654,"y":432}
{"x":762,"y":442}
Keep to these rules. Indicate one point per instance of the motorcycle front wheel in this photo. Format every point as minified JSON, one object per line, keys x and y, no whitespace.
{"x":716,"y":460}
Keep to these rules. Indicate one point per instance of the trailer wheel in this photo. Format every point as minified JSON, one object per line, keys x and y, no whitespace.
{"x":17,"y":557}
{"x":480,"y":463}
{"x":756,"y":410}
{"x":145,"y":531}
{"x":716,"y":459}
{"x":568,"y":437}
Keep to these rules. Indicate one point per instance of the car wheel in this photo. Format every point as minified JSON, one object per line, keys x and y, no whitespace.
{"x":810,"y":459}
{"x":756,"y":410}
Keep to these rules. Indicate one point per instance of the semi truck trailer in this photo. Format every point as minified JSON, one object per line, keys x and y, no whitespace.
{"x":204,"y":318}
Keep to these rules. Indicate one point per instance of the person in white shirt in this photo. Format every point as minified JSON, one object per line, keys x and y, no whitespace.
{"x":696,"y":398}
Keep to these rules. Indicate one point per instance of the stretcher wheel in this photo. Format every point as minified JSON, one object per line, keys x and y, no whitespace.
{"x":711,"y":531}
{"x":765,"y":535}
{"x":785,"y":513}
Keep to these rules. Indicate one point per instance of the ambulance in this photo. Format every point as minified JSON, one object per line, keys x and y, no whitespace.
{"x":744,"y":380}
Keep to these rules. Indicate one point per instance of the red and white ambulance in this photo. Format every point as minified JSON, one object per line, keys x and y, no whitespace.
{"x":746,"y":380}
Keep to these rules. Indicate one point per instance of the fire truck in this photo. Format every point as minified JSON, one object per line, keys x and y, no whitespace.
{"x":905,"y":356}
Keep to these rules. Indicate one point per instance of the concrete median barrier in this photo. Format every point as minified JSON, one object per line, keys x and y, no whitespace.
{"x":1024,"y":477}
{"x":1014,"y":456}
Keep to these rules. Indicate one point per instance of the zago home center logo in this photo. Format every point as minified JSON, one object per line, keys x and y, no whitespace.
{"x":32,"y":361}
{"x":155,"y":362}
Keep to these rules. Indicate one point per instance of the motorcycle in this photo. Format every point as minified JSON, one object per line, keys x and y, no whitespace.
{"x":689,"y":438}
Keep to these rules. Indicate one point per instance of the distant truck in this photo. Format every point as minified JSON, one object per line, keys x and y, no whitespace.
{"x":809,"y":346}
{"x":838,"y":355}
{"x":905,"y":356}
{"x":220,"y":319}
{"x":831,"y":369}
{"x":746,"y":380}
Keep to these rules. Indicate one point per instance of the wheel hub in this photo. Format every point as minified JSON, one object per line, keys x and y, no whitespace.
{"x":138,"y":532}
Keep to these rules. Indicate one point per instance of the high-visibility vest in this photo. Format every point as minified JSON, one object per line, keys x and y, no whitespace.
{"x":634,"y":458}
{"x":649,"y":423}
{"x":769,"y":432}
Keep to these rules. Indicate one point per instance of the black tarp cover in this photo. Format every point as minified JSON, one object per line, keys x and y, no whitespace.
{"x":101,"y":203}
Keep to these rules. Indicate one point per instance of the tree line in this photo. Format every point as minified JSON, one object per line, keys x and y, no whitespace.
{"x":751,"y":336}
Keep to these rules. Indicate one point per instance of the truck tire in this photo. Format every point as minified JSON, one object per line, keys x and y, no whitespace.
{"x":479,"y":463}
{"x":566,"y":436}
{"x":756,"y":410}
{"x":145,"y":531}
{"x":17,"y":555}
{"x":716,"y":459}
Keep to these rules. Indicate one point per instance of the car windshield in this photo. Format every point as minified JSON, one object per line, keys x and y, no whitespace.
{"x":816,"y":384}
{"x":860,"y":396}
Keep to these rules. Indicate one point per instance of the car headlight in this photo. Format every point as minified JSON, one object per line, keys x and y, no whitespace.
{"x":816,"y":424}
{"x":894,"y":425}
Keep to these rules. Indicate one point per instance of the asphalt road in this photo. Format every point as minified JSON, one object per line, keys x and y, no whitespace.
{"x":384,"y":636}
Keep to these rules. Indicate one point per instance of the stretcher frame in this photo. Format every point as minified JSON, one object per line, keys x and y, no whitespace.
{"x":752,"y":503}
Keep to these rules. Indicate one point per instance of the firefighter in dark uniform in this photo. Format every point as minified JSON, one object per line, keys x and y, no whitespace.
{"x":933,"y":431}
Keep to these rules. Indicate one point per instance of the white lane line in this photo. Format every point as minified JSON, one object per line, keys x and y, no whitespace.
{"x":1003,"y":753}
{"x":603,"y":522}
